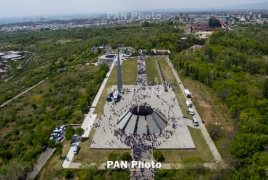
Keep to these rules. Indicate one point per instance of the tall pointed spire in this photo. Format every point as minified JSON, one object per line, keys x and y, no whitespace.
{"x":119,"y":76}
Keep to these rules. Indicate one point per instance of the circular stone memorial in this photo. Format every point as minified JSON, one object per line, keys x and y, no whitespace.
{"x":143,"y":120}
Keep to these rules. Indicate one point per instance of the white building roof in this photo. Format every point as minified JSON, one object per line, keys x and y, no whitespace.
{"x":11,"y":56}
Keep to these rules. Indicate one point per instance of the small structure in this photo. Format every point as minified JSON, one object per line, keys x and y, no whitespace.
{"x":2,"y":54}
{"x":11,"y":57}
{"x":107,"y":59}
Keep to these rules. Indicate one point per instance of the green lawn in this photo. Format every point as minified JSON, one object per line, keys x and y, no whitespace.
{"x":152,"y":72}
{"x":169,"y":77}
{"x":129,"y":73}
{"x":212,"y":109}
{"x":202,"y":151}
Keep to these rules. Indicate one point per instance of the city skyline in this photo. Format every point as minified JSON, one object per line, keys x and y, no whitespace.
{"x":26,"y":8}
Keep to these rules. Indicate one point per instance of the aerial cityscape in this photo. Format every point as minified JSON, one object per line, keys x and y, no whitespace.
{"x":144,"y":90}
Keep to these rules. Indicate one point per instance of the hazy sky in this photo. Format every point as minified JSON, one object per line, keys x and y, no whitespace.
{"x":24,"y":8}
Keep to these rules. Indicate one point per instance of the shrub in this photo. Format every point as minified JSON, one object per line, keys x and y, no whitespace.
{"x":125,"y":156}
{"x":79,"y":131}
{"x":158,"y":155}
{"x":69,"y":133}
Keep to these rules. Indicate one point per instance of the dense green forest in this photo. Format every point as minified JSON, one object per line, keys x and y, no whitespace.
{"x":235,"y":65}
{"x":73,"y":46}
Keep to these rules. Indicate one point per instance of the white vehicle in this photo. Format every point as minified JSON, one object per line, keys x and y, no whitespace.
{"x":191,"y":111}
{"x":76,"y":149}
{"x":115,"y":96}
{"x":195,"y":122}
{"x":189,"y":103}
{"x":187,"y":93}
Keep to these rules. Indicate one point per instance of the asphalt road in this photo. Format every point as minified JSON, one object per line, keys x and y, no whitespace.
{"x":40,"y":162}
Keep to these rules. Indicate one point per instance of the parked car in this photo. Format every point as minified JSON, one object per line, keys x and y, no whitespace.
{"x":189,"y":103}
{"x":76,"y":149}
{"x":191,"y":111}
{"x":195,"y":121}
{"x":59,"y":139}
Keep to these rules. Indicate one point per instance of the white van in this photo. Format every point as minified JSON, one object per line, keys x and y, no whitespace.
{"x":195,"y":121}
{"x":187,"y":93}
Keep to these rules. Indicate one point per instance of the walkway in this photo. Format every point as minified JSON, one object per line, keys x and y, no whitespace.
{"x":189,"y":123}
{"x":143,"y":173}
{"x":40,"y":162}
{"x":88,"y":123}
{"x":211,"y":145}
{"x":5,"y":103}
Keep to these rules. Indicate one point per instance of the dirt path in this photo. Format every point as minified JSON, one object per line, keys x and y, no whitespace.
{"x":5,"y":103}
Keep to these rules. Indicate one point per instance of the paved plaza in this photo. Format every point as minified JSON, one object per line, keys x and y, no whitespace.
{"x":175,"y":134}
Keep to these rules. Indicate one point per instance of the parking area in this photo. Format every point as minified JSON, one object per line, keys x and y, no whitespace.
{"x":58,"y":133}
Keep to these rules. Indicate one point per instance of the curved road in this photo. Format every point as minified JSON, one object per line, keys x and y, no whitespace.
{"x":210,"y":143}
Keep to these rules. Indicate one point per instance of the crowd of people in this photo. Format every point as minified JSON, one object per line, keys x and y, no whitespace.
{"x":141,"y":73}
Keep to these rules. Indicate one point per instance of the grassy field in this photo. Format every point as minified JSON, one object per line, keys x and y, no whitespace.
{"x":212,"y":109}
{"x":151,"y":71}
{"x":129,"y":72}
{"x":93,"y":156}
{"x":179,"y":156}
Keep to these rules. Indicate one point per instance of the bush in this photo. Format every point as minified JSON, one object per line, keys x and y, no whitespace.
{"x":158,"y":155}
{"x":68,"y":173}
{"x":125,"y":156}
{"x":51,"y":143}
{"x":79,"y":131}
{"x":69,"y":133}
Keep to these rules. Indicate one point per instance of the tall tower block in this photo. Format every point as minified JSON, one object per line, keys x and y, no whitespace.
{"x":119,"y":75}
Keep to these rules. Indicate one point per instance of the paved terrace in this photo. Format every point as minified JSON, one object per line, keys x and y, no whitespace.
{"x":104,"y":136}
